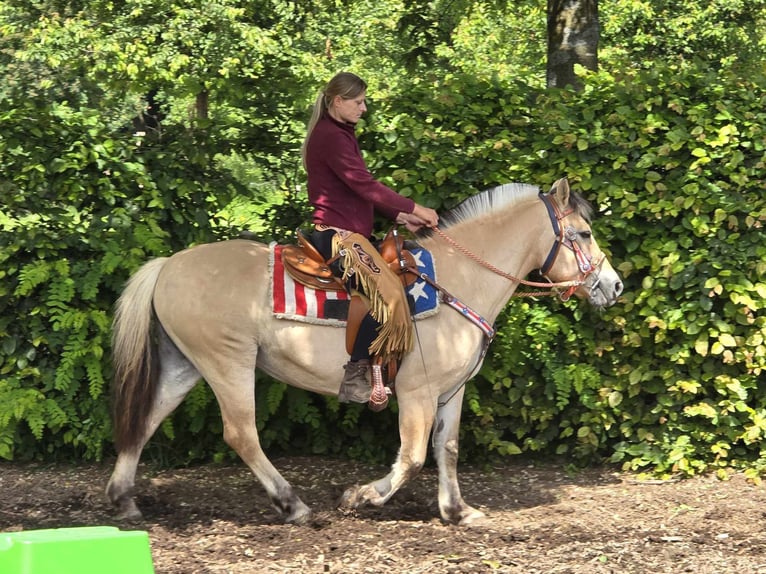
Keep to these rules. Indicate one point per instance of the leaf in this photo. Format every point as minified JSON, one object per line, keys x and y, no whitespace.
{"x":9,"y":345}
{"x":701,"y":346}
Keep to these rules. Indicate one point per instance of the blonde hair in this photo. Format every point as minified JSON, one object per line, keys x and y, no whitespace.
{"x":347,"y":86}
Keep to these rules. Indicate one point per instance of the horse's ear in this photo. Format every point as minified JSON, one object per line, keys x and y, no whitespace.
{"x":560,"y":190}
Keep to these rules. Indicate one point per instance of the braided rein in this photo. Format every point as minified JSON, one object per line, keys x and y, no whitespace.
{"x":487,"y":265}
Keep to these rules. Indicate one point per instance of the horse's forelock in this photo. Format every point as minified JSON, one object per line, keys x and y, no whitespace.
{"x":581,"y":206}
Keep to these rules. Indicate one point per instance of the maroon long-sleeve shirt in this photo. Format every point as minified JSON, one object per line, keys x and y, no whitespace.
{"x":341,"y":188}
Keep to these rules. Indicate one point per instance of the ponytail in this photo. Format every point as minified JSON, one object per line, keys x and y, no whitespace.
{"x":320,"y":107}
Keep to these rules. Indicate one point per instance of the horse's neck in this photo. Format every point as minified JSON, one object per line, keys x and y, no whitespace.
{"x":511,"y":244}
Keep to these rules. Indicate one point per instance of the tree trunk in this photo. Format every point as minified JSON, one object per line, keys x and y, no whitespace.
{"x":573,"y":33}
{"x":201,"y":104}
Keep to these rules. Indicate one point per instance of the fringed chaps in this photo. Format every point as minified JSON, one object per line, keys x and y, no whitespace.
{"x":388,"y":302}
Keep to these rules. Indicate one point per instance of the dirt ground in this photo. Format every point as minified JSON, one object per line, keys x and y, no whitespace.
{"x":216,"y":519}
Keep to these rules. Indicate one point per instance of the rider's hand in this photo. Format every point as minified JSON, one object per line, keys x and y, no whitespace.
{"x":427,"y":216}
{"x":412,"y":223}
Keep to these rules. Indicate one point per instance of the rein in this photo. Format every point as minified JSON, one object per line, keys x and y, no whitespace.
{"x":566,"y":236}
{"x":487,"y":265}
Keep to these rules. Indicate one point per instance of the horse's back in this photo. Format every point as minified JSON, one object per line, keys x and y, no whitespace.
{"x":217,"y":270}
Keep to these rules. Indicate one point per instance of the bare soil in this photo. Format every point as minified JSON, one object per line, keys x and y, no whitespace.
{"x":216,"y":519}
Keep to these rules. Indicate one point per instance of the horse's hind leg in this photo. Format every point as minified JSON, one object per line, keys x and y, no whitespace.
{"x":177,"y":377}
{"x":235,"y":390}
{"x":452,"y":507}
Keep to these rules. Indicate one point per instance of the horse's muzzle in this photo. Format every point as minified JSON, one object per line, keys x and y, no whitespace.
{"x":604,"y":289}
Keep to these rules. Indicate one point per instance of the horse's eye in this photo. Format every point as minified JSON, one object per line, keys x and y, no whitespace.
{"x":586,"y":234}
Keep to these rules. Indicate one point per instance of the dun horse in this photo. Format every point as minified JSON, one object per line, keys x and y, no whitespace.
{"x":206,"y":313}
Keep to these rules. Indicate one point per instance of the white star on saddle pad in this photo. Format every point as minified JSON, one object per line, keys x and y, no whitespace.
{"x":417,"y":256}
{"x":418,"y":290}
{"x":423,"y":295}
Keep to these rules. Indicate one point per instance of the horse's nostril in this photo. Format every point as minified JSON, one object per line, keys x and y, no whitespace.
{"x":617,"y":288}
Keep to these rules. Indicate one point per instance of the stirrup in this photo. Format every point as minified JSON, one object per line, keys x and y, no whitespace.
{"x":380,"y":393}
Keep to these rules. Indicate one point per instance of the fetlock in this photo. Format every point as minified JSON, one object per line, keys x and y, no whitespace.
{"x":355,"y":387}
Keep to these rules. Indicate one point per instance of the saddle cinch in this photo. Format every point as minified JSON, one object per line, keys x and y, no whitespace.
{"x":307,"y":266}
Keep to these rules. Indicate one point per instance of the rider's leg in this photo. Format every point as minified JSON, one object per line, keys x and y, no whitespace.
{"x":368,"y":330}
{"x":355,"y":386}
{"x":368,"y":271}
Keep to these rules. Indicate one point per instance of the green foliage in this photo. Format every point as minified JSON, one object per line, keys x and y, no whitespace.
{"x":723,"y":33}
{"x":512,"y":43}
{"x":83,"y":207}
{"x":668,"y":379}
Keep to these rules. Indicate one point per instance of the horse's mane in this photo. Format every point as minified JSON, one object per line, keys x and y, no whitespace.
{"x":488,"y":201}
{"x":499,"y":197}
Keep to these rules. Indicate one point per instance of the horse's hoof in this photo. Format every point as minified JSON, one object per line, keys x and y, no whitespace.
{"x":301,"y":518}
{"x":130,"y":515}
{"x":349,"y":500}
{"x":463,"y":516}
{"x":472,"y":518}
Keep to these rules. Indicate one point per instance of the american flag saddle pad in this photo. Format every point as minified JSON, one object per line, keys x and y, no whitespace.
{"x":294,"y":301}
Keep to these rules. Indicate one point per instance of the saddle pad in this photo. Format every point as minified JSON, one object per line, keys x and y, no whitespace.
{"x":424,"y":295}
{"x":294,"y":301}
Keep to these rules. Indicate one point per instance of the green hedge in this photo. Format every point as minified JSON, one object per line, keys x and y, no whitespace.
{"x":667,"y":380}
{"x":674,"y":161}
{"x":82,"y":208}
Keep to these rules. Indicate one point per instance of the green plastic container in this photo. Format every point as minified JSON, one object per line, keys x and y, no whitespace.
{"x":87,"y":550}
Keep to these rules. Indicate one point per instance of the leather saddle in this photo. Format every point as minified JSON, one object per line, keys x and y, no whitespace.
{"x":307,"y":266}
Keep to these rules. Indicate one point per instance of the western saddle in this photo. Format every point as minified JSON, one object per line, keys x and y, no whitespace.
{"x":307,"y":266}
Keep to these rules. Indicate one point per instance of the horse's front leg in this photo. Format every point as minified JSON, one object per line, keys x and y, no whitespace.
{"x":452,"y":507}
{"x":416,"y":416}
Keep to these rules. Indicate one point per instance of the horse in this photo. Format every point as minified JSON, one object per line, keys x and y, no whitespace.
{"x":205,"y":313}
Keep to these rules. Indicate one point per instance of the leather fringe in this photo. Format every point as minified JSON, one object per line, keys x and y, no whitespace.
{"x":388,"y":302}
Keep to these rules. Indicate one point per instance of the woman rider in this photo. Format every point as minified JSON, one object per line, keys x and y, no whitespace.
{"x":345,"y":197}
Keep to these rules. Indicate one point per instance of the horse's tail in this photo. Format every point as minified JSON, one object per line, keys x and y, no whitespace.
{"x":133,"y":350}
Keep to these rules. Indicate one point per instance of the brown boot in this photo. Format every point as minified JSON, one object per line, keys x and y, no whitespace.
{"x":355,"y":387}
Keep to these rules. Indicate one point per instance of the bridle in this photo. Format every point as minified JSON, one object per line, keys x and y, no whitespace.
{"x":566,"y":236}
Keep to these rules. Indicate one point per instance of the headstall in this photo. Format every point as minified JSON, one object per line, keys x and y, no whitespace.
{"x":566,"y":236}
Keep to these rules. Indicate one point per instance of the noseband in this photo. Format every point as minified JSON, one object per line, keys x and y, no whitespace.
{"x":566,"y":236}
